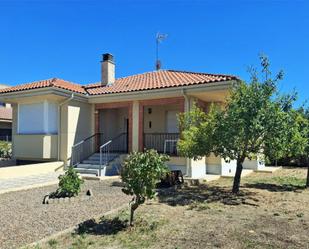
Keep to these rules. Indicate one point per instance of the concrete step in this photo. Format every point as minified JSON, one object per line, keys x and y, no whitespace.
{"x":87,"y":171}
{"x":89,"y":166}
{"x":97,"y":155}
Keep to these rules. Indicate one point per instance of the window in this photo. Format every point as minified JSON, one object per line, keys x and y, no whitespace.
{"x":38,"y":118}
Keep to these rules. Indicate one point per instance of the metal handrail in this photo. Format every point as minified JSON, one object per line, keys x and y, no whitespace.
{"x":108,"y":146}
{"x":159,"y":140}
{"x":80,"y":145}
{"x":172,"y":141}
{"x":104,"y":149}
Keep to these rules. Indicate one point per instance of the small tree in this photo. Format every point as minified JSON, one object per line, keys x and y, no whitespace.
{"x":140,"y":173}
{"x":252,"y":117}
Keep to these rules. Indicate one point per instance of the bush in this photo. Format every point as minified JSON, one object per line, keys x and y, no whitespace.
{"x":5,"y":149}
{"x":140,"y":173}
{"x":69,"y":184}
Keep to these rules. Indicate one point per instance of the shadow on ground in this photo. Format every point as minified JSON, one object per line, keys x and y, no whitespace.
{"x":275,"y":187}
{"x":204,"y":193}
{"x":104,"y":227}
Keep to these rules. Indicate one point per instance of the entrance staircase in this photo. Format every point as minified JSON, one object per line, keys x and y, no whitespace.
{"x":96,"y":156}
{"x":92,"y":166}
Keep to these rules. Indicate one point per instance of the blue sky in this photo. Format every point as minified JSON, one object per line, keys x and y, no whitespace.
{"x":65,"y":39}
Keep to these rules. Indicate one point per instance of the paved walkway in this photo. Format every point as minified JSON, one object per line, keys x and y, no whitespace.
{"x":19,"y":183}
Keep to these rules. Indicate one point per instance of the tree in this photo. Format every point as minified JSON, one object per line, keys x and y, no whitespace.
{"x":304,"y":130}
{"x":253,"y":116}
{"x":140,"y":173}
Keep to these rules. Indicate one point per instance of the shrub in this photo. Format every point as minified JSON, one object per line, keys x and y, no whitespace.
{"x":140,"y":173}
{"x":69,"y":184}
{"x":5,"y":149}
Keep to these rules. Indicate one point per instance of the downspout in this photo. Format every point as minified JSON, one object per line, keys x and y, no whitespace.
{"x":187,"y":108}
{"x":59,"y":122}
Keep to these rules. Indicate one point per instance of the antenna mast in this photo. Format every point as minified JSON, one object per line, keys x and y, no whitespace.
{"x":159,"y":38}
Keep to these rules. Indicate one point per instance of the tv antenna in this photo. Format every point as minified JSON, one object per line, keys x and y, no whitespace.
{"x":159,"y":38}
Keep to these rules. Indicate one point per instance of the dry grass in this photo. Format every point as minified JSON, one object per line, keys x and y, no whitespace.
{"x":270,"y":212}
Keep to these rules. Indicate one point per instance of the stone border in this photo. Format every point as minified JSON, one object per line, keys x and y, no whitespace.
{"x":56,"y":200}
{"x":71,"y":229}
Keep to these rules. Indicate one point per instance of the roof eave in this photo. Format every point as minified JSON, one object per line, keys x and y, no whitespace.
{"x":164,"y":92}
{"x":42,"y":91}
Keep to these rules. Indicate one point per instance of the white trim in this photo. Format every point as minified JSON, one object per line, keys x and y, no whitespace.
{"x":45,"y":116}
{"x":17,"y":125}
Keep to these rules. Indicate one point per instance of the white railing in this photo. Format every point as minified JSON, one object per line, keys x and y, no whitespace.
{"x":85,"y":148}
{"x":104,"y":154}
{"x":170,"y":146}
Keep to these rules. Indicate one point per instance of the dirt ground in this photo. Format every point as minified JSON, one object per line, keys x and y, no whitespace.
{"x":272,"y":211}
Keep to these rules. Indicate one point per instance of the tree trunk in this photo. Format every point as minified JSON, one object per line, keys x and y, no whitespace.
{"x":237,"y":177}
{"x":307,"y":183}
{"x":133,"y":206}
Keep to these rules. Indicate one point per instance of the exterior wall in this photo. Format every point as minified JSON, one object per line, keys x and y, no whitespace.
{"x":228,"y":168}
{"x":213,"y":165}
{"x":128,"y":109}
{"x":178,"y":102}
{"x":178,"y":163}
{"x":157,"y":117}
{"x":218,"y":166}
{"x":78,"y":124}
{"x":112,"y":122}
{"x":198,"y":168}
{"x":35,"y":147}
{"x":254,"y":164}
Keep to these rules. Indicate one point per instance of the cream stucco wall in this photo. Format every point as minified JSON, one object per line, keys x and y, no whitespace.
{"x":157,"y":117}
{"x":113,"y":122}
{"x":78,"y":124}
{"x":35,"y":146}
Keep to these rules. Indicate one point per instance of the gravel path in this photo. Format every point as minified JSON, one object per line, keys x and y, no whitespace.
{"x":24,"y":219}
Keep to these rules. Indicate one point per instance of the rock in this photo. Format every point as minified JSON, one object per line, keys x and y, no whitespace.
{"x":89,"y":192}
{"x":46,"y":199}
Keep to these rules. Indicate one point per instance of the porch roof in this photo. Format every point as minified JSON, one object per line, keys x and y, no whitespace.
{"x":139,"y":82}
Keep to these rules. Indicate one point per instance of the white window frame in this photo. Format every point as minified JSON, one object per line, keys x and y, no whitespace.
{"x":45,"y":119}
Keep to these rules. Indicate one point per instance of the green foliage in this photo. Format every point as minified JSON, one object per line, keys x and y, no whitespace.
{"x":69,"y":184}
{"x":5,"y":149}
{"x":255,"y":119}
{"x":140,"y":173}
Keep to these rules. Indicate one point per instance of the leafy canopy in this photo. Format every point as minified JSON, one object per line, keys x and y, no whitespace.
{"x":254,"y":119}
{"x":140,"y":173}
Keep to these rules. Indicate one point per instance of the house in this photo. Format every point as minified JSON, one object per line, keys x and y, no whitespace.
{"x":93,"y":126}
{"x":5,"y":119}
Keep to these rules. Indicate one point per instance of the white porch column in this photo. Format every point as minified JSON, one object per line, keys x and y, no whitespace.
{"x":135,"y":125}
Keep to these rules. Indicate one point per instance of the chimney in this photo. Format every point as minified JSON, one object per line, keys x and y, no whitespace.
{"x":107,"y":70}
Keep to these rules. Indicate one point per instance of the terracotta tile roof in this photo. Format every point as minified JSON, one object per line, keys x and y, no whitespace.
{"x":156,"y":80}
{"x":54,"y":82}
{"x":6,"y":113}
{"x":138,"y":82}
